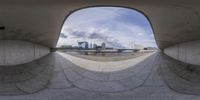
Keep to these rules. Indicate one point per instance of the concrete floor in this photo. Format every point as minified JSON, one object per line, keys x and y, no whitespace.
{"x":102,"y":66}
{"x":143,"y":81}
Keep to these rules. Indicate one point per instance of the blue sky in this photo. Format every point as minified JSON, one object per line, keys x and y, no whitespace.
{"x":117,"y":27}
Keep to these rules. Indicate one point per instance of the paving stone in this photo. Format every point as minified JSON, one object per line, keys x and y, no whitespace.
{"x":71,"y":75}
{"x":74,"y":67}
{"x":99,"y":76}
{"x":36,"y":83}
{"x":103,"y":66}
{"x":121,"y":75}
{"x":143,"y":92}
{"x":10,"y":89}
{"x":99,"y":86}
{"x":59,"y":81}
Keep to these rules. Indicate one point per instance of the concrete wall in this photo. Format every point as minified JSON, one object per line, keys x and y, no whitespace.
{"x":188,"y":52}
{"x":14,"y":52}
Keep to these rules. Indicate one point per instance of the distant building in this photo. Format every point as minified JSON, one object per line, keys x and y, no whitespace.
{"x":91,"y":45}
{"x":138,"y":46}
{"x":109,"y":48}
{"x":94,"y":45}
{"x":66,"y":46}
{"x":103,"y":46}
{"x":75,"y":47}
{"x":83,"y":45}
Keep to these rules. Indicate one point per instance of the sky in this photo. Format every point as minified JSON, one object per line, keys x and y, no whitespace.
{"x":115,"y":26}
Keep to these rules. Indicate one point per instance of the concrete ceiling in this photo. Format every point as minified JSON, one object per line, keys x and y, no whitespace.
{"x":40,"y":22}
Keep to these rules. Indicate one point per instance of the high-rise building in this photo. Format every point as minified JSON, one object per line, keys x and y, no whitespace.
{"x":91,"y":45}
{"x":83,"y":45}
{"x":103,"y":46}
{"x":94,"y":45}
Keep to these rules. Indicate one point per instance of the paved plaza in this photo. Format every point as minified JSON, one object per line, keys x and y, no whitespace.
{"x":151,"y":77}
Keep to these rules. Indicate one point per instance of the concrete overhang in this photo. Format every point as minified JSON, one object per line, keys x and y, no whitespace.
{"x":40,"y":22}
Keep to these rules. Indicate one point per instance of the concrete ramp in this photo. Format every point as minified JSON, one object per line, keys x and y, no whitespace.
{"x":179,"y":76}
{"x":114,"y":81}
{"x":26,"y":78}
{"x":148,"y":80}
{"x":102,"y":66}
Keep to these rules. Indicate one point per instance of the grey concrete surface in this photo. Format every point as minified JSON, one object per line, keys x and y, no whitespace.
{"x":42,"y":23}
{"x":101,"y":66}
{"x":14,"y":52}
{"x":181,"y":77}
{"x":26,"y":78}
{"x":108,"y":81}
{"x":188,"y":52}
{"x":172,"y":21}
{"x":153,"y":87}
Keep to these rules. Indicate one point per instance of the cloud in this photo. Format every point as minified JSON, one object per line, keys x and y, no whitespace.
{"x":62,"y":35}
{"x":115,"y":44}
{"x":140,"y":34}
{"x":78,"y":34}
{"x":116,"y":27}
{"x":97,"y":35}
{"x":89,"y":16}
{"x":112,"y":38}
{"x":151,"y":35}
{"x":110,"y":41}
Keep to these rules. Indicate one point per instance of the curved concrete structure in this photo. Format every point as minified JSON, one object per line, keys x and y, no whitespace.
{"x":41,"y":22}
{"x":172,"y":22}
{"x":28,"y":29}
